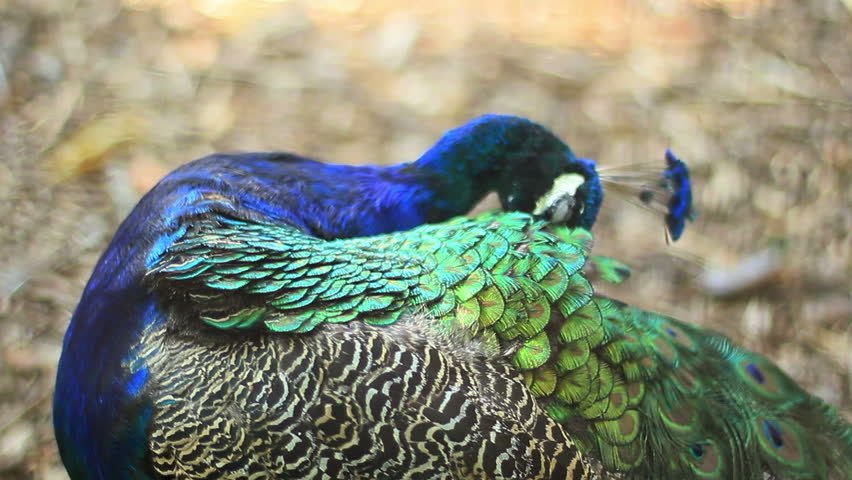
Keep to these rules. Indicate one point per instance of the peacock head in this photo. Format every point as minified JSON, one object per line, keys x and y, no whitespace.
{"x":542,"y":175}
{"x":575,"y":196}
{"x":530,"y":168}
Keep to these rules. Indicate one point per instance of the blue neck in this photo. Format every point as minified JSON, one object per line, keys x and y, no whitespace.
{"x":100,"y":412}
{"x":511,"y":155}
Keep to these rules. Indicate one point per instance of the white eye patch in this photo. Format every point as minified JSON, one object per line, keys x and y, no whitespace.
{"x":556,"y":199}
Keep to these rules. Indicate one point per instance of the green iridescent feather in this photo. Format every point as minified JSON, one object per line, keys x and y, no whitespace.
{"x":647,"y":395}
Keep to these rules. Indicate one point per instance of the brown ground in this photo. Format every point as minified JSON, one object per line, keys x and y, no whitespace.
{"x":101,"y":98}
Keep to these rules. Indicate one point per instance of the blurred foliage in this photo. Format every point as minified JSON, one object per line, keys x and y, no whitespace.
{"x":100,"y":98}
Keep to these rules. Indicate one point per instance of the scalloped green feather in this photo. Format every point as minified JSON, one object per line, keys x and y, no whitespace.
{"x":610,"y":270}
{"x":647,"y":395}
{"x":473,"y":284}
{"x":578,"y":294}
{"x":467,"y":314}
{"x":383,"y":318}
{"x":533,"y":353}
{"x":620,"y":431}
{"x":491,"y":306}
{"x":288,"y":322}
{"x":583,"y":323}
{"x":578,"y":238}
{"x":541,"y":381}
{"x":572,"y":355}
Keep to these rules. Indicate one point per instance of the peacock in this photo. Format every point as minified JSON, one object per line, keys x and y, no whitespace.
{"x":269,"y":316}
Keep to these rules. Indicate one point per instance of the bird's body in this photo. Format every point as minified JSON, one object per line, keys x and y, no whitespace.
{"x":358,"y":401}
{"x":266,"y":316}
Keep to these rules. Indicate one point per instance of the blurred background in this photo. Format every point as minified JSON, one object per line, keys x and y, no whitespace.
{"x":101,"y":98}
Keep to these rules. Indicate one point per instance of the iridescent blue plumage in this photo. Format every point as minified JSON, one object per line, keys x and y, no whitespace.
{"x":100,"y":408}
{"x":680,"y":204}
{"x":268,"y":316}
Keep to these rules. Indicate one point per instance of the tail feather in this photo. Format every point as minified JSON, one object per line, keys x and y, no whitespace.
{"x":682,"y":402}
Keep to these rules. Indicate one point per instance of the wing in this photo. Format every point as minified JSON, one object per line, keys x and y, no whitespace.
{"x":496,"y":278}
{"x":398,"y":389}
{"x":643,"y":393}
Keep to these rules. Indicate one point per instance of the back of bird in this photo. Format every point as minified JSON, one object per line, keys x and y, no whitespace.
{"x":645,"y":395}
